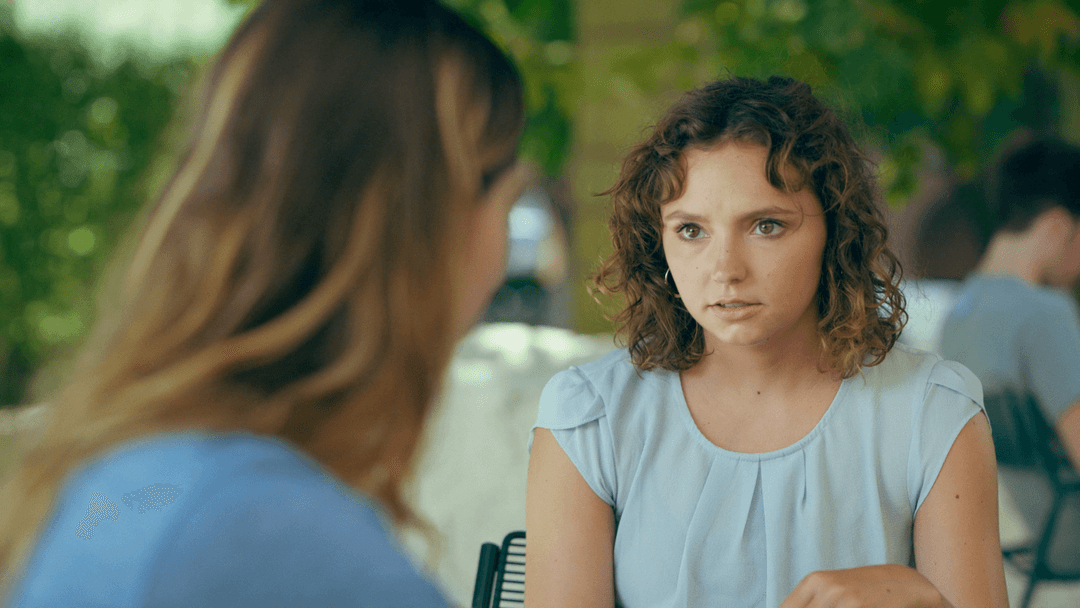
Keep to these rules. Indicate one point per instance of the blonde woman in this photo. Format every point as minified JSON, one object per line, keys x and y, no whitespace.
{"x":239,"y":428}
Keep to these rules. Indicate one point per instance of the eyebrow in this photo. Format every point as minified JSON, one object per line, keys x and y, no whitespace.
{"x":763,"y":212}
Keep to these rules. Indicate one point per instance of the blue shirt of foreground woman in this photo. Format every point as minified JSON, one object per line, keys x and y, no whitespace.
{"x":267,"y":361}
{"x":760,"y":442}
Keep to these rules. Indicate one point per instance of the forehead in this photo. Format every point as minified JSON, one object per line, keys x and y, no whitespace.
{"x":732,"y":176}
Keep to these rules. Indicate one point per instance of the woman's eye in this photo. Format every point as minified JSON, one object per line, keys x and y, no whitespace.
{"x":689,"y":231}
{"x":767,"y":227}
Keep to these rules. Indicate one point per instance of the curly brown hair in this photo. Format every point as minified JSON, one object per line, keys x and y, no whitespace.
{"x":860,"y":305}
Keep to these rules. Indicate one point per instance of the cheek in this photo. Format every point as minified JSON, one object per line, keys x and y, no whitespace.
{"x":801,"y":279}
{"x":482,"y":268}
{"x":490,"y":252}
{"x":1072,"y":261}
{"x":808,"y":267}
{"x":1074,"y":249}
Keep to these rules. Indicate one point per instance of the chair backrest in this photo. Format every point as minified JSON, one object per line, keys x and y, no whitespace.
{"x":500,"y":575}
{"x":1023,"y":438}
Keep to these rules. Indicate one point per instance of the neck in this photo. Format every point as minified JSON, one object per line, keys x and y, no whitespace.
{"x":779,"y":368}
{"x":1015,"y":256}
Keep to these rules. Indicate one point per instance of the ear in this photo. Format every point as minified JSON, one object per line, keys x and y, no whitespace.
{"x":1055,"y":226}
{"x":510,"y":185}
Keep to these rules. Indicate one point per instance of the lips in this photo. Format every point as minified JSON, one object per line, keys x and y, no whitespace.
{"x":734,"y":304}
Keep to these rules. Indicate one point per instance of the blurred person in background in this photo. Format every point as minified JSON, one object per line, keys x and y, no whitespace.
{"x":1014,"y":323}
{"x":241,"y":422}
{"x":1017,"y":327}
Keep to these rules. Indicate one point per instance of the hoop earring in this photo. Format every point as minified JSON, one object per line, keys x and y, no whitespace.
{"x":667,"y":279}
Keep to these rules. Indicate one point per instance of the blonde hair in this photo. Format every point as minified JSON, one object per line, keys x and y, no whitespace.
{"x":293,"y":279}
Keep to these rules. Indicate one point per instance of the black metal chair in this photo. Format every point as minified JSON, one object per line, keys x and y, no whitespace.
{"x":1036,"y":469}
{"x":500,"y":575}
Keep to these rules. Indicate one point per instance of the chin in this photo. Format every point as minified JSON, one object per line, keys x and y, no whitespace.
{"x":750,"y":337}
{"x":740,"y":338}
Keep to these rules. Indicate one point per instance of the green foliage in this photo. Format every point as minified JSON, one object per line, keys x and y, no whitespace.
{"x":81,"y":146}
{"x":76,"y":144}
{"x":952,"y":73}
{"x":540,"y":35}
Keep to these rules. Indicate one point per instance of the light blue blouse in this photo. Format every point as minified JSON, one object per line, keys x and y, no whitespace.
{"x":697,"y":525}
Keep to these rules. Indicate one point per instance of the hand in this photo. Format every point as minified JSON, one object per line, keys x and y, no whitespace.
{"x":886,"y":586}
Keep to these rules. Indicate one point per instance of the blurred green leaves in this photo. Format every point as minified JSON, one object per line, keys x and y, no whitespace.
{"x":950,"y":73}
{"x":81,"y":145}
{"x":540,"y":34}
{"x":76,"y":144}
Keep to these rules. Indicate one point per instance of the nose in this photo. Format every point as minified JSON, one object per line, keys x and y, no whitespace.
{"x":730,"y":261}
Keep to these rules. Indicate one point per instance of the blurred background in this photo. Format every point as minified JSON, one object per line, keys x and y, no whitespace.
{"x":94,"y":96}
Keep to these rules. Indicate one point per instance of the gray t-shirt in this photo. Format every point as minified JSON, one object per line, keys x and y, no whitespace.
{"x":1018,"y":336}
{"x":1024,"y":338}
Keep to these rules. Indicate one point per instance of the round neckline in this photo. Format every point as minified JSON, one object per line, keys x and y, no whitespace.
{"x":684,"y":413}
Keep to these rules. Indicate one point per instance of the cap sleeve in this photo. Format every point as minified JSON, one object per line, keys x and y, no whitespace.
{"x":574,"y":411}
{"x":953,"y":395}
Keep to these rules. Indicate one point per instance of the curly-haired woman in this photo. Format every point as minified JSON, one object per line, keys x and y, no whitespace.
{"x":763,"y":441}
{"x":285,"y":320}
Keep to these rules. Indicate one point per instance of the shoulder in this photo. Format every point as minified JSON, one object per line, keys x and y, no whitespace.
{"x":614,"y":369}
{"x":1056,"y":303}
{"x":922,"y":388}
{"x":930,"y":400}
{"x":913,"y":370}
{"x":1037,"y":302}
{"x":189,"y":518}
{"x":1019,"y":299}
{"x":263,"y":481}
{"x":280,"y":527}
{"x":586,"y":392}
{"x":148,"y":483}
